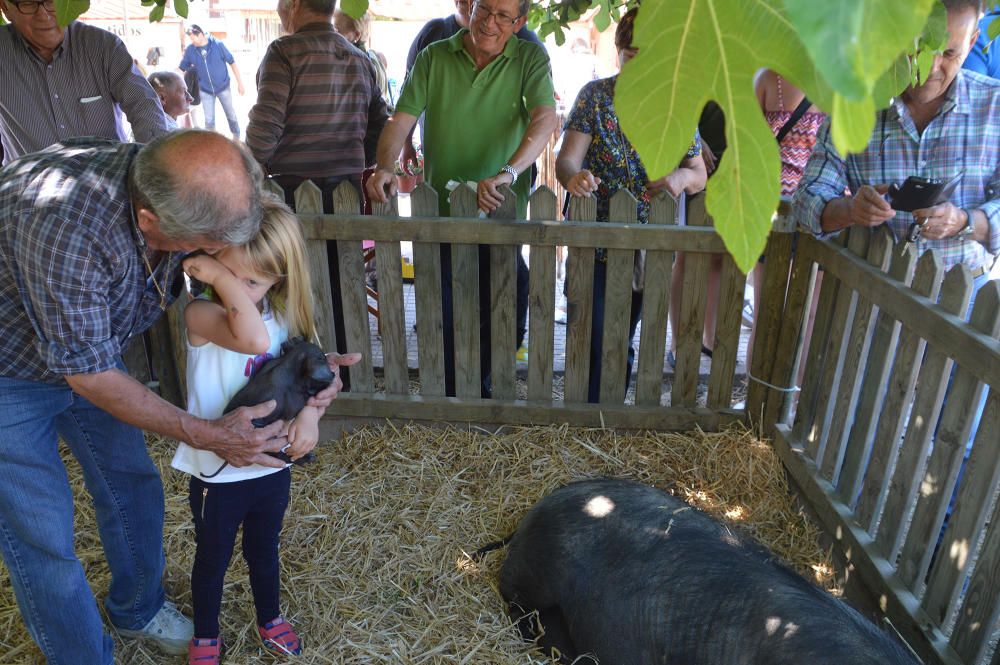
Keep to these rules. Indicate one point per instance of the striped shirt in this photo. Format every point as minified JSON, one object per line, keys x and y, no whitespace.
{"x":319,"y":111}
{"x":73,"y":285}
{"x":962,"y":137}
{"x":82,"y":92}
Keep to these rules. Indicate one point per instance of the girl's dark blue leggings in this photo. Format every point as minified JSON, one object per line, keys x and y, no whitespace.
{"x":219,"y":509}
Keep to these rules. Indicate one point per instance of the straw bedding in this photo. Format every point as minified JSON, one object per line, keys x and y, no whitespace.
{"x":374,"y":549}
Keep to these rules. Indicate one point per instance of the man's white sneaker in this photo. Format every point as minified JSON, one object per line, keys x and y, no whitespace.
{"x":169,"y":630}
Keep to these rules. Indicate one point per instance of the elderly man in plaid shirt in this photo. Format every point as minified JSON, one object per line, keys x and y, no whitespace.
{"x":92,"y":235}
{"x":945,"y":126}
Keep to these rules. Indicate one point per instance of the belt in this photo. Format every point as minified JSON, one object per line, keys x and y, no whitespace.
{"x":978,"y":272}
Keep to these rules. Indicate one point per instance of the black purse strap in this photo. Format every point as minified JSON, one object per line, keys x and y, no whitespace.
{"x":797,"y":114}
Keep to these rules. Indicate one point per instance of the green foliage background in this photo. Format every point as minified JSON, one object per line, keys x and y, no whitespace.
{"x":849,"y":56}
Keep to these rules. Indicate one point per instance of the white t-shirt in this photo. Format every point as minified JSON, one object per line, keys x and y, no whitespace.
{"x":214,"y":375}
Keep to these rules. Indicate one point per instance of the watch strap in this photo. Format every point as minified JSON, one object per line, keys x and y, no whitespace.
{"x":510,"y":170}
{"x":970,"y":225}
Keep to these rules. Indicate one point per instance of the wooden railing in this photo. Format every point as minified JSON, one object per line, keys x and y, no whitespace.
{"x":465,"y":231}
{"x":872,"y":449}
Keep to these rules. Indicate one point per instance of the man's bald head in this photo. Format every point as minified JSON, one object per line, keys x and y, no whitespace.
{"x":199,"y":185}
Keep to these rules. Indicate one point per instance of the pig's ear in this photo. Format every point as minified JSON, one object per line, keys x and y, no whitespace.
{"x":291,"y":343}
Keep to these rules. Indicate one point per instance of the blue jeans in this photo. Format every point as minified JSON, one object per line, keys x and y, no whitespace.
{"x":36,"y":519}
{"x":226,"y":99}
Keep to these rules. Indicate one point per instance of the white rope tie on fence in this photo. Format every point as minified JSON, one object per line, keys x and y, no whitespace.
{"x":780,"y":389}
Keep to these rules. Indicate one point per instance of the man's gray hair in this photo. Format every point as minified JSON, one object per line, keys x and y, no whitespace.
{"x":162,"y":80}
{"x":522,"y":7}
{"x":323,"y":7}
{"x":187,"y":210}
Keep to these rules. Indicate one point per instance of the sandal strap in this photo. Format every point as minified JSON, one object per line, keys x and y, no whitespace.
{"x":280,"y":634}
{"x":205,"y":651}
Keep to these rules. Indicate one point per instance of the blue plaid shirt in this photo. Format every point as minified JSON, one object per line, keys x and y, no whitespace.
{"x":963,"y":136}
{"x":73,"y":285}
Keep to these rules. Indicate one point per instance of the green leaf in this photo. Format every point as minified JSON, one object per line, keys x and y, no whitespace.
{"x":935,"y":34}
{"x":181,"y":7}
{"x":852,"y":42}
{"x":892,"y":82}
{"x":852,"y":123}
{"x":690,"y":52}
{"x":156,"y":14}
{"x":354,"y":8}
{"x":925,"y":61}
{"x":993,"y":29}
{"x":602,"y":19}
{"x":68,"y":11}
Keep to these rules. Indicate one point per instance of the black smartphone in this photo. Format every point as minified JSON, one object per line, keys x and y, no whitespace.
{"x":916,"y":192}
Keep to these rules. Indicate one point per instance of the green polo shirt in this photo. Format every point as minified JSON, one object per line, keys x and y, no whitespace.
{"x":474,"y":120}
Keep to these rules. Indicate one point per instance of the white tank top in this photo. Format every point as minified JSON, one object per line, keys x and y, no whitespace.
{"x":214,"y":375}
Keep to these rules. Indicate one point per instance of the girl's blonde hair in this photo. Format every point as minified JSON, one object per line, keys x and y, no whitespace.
{"x":279,"y":251}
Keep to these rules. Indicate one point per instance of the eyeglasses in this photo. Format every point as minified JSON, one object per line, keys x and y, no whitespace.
{"x":483,"y":14}
{"x":30,"y":7}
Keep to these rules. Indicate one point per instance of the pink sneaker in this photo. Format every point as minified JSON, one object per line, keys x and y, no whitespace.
{"x":279,"y":639}
{"x":206,"y":651}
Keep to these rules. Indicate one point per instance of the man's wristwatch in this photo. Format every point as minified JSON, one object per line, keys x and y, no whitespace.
{"x":970,"y":226}
{"x":510,"y":170}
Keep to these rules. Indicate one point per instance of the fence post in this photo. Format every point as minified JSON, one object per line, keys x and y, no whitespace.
{"x":618,"y":277}
{"x":768,"y":321}
{"x":427,"y":287}
{"x":543,"y":206}
{"x":655,"y":308}
{"x":579,"y":304}
{"x":465,"y":300}
{"x":308,"y":201}
{"x":503,"y":304}
{"x":392,"y":311}
{"x":691,"y":321}
{"x":355,"y":297}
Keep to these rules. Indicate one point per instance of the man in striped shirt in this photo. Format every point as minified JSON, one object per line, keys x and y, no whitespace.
{"x":318,"y":115}
{"x":60,"y":83}
{"x":319,"y":110}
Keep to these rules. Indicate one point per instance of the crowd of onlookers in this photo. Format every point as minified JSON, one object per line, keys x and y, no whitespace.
{"x":95,"y":232}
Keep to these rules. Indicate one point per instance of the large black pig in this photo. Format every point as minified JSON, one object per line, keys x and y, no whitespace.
{"x":633,"y":576}
{"x":291,"y":379}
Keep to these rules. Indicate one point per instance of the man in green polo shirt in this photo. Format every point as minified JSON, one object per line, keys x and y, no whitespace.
{"x":489,"y":111}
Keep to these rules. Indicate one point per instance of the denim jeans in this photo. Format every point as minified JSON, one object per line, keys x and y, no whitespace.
{"x":36,"y":519}
{"x":226,"y":99}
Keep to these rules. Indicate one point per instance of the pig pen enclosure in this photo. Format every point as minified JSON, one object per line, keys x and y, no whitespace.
{"x":375,"y":548}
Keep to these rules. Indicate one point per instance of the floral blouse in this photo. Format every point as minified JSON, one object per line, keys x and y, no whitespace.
{"x":611,"y":156}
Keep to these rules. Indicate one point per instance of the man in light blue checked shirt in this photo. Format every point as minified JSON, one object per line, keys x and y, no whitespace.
{"x":947,"y":125}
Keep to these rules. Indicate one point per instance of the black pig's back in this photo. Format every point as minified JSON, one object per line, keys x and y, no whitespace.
{"x":642,"y":577}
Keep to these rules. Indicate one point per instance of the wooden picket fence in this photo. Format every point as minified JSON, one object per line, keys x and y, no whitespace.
{"x":398,"y":399}
{"x":866,"y":440}
{"x":869,"y":445}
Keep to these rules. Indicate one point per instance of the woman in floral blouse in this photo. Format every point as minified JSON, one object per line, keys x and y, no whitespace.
{"x":597,"y":159}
